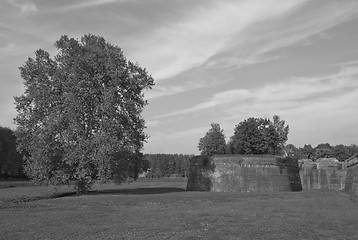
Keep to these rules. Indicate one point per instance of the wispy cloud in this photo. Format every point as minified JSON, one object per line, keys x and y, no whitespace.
{"x":85,"y":4}
{"x":152,"y":123}
{"x":237,"y":34}
{"x":283,"y":95}
{"x":26,"y":7}
{"x":159,"y":91}
{"x":256,"y":42}
{"x":185,"y":86}
{"x":347,"y":64}
{"x":199,"y":35}
{"x":8,"y":47}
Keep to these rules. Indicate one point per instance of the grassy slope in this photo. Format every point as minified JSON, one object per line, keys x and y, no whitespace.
{"x":162,"y":210}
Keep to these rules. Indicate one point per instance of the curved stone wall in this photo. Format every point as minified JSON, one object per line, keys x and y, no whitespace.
{"x":325,"y":173}
{"x":242,"y":173}
{"x":351,"y":186}
{"x":329,"y":178}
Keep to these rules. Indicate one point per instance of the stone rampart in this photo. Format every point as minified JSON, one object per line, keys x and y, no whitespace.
{"x":322,"y":174}
{"x":351,"y":184}
{"x":323,"y":178}
{"x":243,"y":173}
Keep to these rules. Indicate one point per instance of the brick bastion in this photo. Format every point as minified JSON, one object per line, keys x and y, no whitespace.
{"x":243,"y":173}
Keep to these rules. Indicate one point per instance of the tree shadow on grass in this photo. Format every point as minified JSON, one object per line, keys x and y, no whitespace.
{"x":138,"y":191}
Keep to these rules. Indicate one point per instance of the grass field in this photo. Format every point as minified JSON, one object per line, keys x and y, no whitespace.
{"x":163,"y":210}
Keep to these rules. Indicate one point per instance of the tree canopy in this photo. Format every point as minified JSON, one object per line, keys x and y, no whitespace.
{"x":213,"y":142}
{"x":79,"y":118}
{"x":259,"y":136}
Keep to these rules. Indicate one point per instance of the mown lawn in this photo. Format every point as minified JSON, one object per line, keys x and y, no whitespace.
{"x":163,"y":210}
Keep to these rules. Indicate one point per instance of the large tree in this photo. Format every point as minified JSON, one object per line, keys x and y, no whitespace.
{"x":259,"y":136}
{"x":79,"y":118}
{"x":213,"y":142}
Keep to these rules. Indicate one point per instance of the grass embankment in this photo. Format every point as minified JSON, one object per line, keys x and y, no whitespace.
{"x":163,"y":210}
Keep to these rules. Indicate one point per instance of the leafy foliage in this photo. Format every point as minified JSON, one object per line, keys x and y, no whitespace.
{"x":341,"y":152}
{"x":213,"y":142}
{"x":80,"y":116}
{"x":308,"y":151}
{"x":322,"y":150}
{"x":10,"y":159}
{"x":291,"y":150}
{"x":259,"y":136}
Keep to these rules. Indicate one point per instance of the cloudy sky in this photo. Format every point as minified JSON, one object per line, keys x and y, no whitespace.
{"x":212,"y":61}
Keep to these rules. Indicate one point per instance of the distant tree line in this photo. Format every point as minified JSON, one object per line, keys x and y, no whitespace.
{"x":167,"y":165}
{"x":322,"y":150}
{"x":10,"y":160}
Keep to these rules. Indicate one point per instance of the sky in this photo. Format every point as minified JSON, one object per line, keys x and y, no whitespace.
{"x":212,"y":61}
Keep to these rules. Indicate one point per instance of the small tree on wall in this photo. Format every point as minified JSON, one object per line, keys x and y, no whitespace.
{"x":213,"y":142}
{"x":79,"y":118}
{"x":250,"y":137}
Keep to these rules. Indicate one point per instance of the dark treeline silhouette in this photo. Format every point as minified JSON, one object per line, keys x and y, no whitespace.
{"x":167,"y":165}
{"x":10,"y":160}
{"x":323,"y":150}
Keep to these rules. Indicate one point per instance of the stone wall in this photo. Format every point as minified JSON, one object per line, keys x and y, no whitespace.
{"x":351,"y":185}
{"x":312,"y":178}
{"x":322,"y":174}
{"x":242,"y":173}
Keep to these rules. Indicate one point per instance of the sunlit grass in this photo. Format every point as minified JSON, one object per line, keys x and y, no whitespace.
{"x":163,"y":210}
